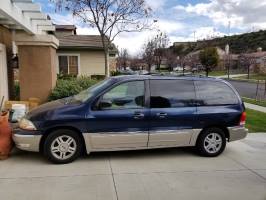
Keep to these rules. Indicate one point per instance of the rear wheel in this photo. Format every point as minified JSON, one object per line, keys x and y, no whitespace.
{"x":63,"y":146}
{"x":211,"y":142}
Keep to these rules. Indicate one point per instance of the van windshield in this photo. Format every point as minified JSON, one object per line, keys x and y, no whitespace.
{"x":88,"y":93}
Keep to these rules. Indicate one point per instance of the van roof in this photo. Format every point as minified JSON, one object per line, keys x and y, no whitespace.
{"x":163,"y":77}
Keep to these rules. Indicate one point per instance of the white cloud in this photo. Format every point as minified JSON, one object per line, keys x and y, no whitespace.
{"x":63,"y":19}
{"x":241,"y":13}
{"x":169,"y":26}
{"x":201,"y":33}
{"x":156,"y":4}
{"x":131,"y":41}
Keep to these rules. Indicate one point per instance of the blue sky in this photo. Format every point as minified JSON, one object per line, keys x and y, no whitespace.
{"x":182,"y":19}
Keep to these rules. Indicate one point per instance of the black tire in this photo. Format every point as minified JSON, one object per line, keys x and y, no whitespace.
{"x":201,"y":143}
{"x":63,"y":135}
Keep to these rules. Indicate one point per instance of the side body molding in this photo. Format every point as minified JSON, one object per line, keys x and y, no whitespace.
{"x":115,"y":141}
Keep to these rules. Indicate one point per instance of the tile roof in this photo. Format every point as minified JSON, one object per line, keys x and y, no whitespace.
{"x":65,"y":27}
{"x":80,"y":41}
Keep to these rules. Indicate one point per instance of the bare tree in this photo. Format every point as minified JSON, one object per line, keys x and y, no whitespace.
{"x":110,"y":17}
{"x":123,"y":58}
{"x":246,"y":62}
{"x":148,"y":53}
{"x":171,"y":59}
{"x":161,"y":41}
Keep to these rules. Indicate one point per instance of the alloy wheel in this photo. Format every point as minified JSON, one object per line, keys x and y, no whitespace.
{"x":63,"y":147}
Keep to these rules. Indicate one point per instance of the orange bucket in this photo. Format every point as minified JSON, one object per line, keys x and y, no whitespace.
{"x":6,"y":143}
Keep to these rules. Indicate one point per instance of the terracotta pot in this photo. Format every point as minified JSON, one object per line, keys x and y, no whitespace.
{"x":6,"y":143}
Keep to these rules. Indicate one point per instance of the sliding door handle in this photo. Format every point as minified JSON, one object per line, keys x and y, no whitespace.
{"x":138,"y":115}
{"x":161,"y":115}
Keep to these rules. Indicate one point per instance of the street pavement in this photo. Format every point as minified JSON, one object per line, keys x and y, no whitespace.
{"x":162,"y":174}
{"x":232,"y":76}
{"x":248,"y":89}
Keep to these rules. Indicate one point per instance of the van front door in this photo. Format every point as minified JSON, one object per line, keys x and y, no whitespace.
{"x":120,"y":120}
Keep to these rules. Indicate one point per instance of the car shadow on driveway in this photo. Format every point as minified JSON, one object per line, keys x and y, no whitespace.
{"x":35,"y":157}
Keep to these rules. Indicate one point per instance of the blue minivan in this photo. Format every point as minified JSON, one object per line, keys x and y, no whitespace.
{"x":136,"y":112}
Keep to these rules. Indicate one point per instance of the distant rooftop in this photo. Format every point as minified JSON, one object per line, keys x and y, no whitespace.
{"x":80,"y":41}
{"x":65,"y":27}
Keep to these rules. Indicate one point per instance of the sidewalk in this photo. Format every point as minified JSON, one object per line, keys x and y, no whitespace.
{"x":231,"y":76}
{"x":255,"y":107}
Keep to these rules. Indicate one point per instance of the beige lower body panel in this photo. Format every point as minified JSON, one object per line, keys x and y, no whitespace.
{"x":172,"y":138}
{"x":27,"y":142}
{"x":109,"y":141}
{"x":237,"y":133}
{"x":139,"y":140}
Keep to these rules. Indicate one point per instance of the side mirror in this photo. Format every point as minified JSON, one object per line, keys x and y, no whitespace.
{"x":104,"y":104}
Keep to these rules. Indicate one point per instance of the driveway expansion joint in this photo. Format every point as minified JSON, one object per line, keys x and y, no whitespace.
{"x":249,"y":169}
{"x":113,"y":178}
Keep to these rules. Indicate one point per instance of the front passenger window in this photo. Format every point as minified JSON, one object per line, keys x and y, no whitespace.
{"x":127,"y":95}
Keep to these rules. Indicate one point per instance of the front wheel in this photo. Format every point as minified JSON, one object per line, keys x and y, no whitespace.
{"x":62,"y":146}
{"x":211,"y":142}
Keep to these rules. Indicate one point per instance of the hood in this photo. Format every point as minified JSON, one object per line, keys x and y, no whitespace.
{"x":48,"y":109}
{"x":41,"y":111}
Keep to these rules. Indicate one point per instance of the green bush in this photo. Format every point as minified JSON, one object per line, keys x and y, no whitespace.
{"x":115,"y":73}
{"x":97,"y":77}
{"x":71,"y":86}
{"x":65,"y":76}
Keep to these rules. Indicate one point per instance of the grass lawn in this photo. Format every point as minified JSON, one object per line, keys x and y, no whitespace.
{"x":217,"y":73}
{"x":256,"y":121}
{"x":253,"y":101}
{"x":254,"y":77}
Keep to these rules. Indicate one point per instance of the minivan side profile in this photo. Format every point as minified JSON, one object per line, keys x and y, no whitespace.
{"x":136,"y":112}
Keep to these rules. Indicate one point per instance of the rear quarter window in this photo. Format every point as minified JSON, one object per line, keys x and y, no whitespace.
{"x":210,"y":93}
{"x":172,"y":93}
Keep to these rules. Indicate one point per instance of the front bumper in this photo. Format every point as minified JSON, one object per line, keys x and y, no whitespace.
{"x":237,"y":133}
{"x":27,"y":140}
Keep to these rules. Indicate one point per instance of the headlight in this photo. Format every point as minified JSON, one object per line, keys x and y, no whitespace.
{"x":26,"y":124}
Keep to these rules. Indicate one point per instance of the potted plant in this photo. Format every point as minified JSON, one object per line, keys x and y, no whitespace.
{"x":5,"y":135}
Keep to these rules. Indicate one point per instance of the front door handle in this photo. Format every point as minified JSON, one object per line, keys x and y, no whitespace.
{"x":138,"y":115}
{"x":161,"y":115}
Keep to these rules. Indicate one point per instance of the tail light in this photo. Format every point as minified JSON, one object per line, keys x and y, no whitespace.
{"x":243,"y":119}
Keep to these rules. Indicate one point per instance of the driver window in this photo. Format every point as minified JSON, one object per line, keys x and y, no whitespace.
{"x":127,"y":95}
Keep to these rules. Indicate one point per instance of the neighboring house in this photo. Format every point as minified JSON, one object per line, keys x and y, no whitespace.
{"x":81,"y":54}
{"x":26,"y":34}
{"x":258,"y":61}
{"x":193,"y":58}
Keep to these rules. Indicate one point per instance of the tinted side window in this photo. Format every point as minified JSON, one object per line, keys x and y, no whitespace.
{"x":172,"y":93}
{"x":214,"y":93}
{"x":126,"y":96}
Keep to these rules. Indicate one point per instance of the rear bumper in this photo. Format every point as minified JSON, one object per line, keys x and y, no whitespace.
{"x":27,"y":140}
{"x":237,"y":133}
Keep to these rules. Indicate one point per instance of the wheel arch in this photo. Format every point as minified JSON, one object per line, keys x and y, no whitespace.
{"x":50,"y":130}
{"x":223,"y":128}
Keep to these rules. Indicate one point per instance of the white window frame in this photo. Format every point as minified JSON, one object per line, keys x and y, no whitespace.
{"x":69,"y":54}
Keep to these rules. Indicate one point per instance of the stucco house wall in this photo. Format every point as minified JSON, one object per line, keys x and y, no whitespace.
{"x":91,"y":62}
{"x":6,"y":40}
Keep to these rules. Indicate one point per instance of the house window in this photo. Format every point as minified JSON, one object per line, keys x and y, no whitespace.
{"x":68,"y":64}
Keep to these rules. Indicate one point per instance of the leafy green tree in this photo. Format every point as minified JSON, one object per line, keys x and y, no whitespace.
{"x":209,"y":58}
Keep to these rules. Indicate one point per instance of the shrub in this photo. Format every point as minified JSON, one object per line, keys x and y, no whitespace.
{"x":97,"y":77}
{"x":115,"y":73}
{"x":65,"y":76}
{"x":71,"y":86}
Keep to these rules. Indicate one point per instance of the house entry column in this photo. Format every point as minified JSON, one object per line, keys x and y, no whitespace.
{"x":3,"y":73}
{"x":37,"y":65}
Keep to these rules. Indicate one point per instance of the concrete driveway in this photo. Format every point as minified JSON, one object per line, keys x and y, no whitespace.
{"x":165,"y":174}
